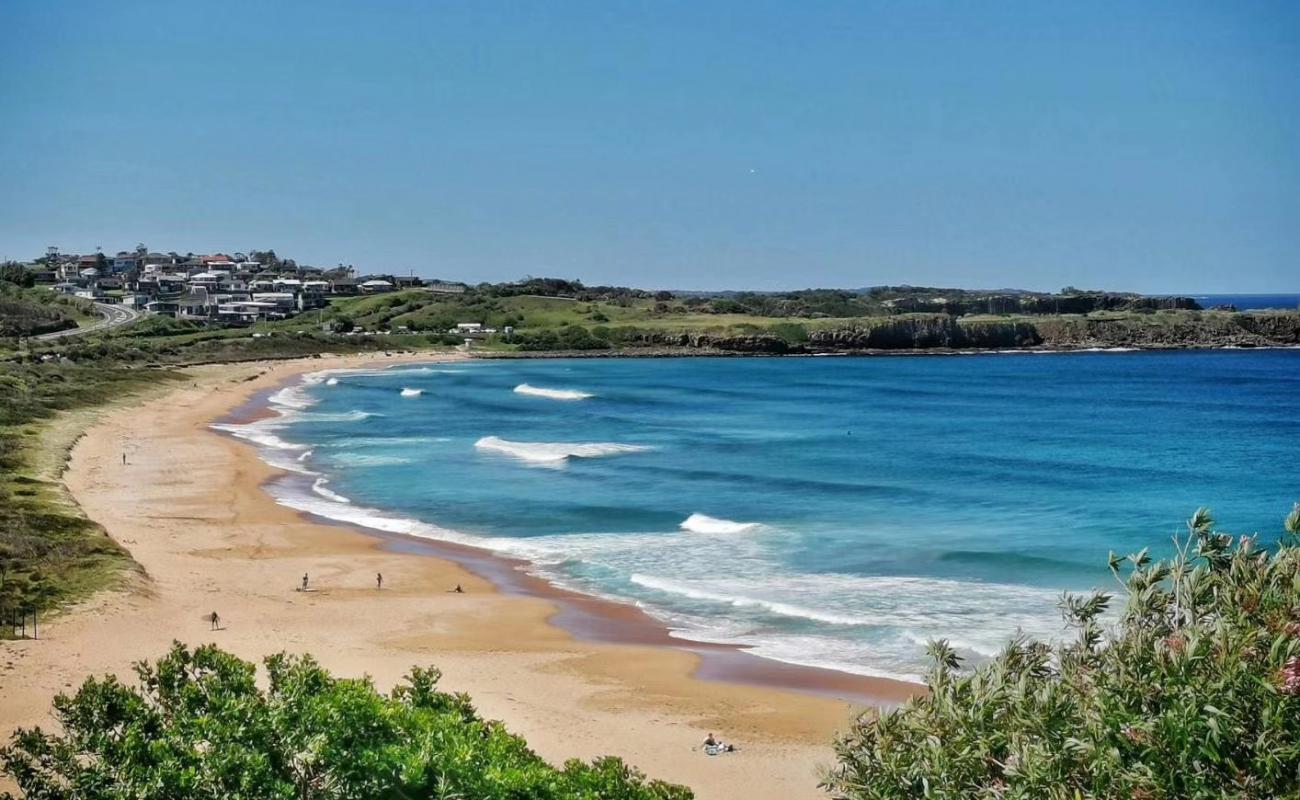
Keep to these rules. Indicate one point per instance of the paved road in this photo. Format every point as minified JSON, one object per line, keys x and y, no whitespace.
{"x":113,"y":317}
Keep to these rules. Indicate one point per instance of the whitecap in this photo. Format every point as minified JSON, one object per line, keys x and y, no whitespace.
{"x":552,"y":394}
{"x":555,"y":453}
{"x":407,"y":392}
{"x":703,"y":523}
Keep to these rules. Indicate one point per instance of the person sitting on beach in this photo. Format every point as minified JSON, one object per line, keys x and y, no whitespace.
{"x":215,"y":620}
{"x":458,"y":590}
{"x":709,"y":741}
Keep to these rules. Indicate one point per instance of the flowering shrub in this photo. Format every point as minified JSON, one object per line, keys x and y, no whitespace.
{"x":1194,"y":693}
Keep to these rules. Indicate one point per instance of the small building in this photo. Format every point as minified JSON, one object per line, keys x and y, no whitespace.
{"x":376,"y":286}
{"x":125,"y":262}
{"x":283,"y":302}
{"x":196,"y":304}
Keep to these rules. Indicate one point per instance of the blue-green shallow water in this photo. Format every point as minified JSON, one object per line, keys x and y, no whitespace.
{"x":827,"y":511}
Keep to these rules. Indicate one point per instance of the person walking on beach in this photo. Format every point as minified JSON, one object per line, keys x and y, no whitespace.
{"x":215,"y":620}
{"x":304,"y":581}
{"x":124,"y":459}
{"x":379,"y":580}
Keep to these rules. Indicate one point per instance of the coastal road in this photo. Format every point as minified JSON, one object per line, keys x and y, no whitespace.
{"x":112,"y":316}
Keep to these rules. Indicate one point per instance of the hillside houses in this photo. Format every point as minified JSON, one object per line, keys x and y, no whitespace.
{"x":231,"y":288}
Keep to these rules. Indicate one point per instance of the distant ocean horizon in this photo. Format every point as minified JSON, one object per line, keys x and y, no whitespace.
{"x":833,"y":512}
{"x":1247,"y":302}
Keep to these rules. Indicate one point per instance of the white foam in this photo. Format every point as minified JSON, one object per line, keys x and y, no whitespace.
{"x":741,"y":601}
{"x":332,"y":382}
{"x":555,"y":453}
{"x":373,"y":518}
{"x":318,"y":486}
{"x":292,"y":397}
{"x":407,"y":392}
{"x":363,"y":460}
{"x":355,"y":415}
{"x":703,"y":523}
{"x":552,"y":394}
{"x":260,"y":434}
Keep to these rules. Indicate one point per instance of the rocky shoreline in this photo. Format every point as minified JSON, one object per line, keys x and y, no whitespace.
{"x":943,"y":334}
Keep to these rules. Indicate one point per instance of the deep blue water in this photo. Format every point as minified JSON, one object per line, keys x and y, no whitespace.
{"x":1248,"y":302}
{"x":831,"y":511}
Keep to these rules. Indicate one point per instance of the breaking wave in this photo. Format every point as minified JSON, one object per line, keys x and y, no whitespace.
{"x":318,"y":486}
{"x":555,"y":453}
{"x":703,"y":523}
{"x":552,"y":394}
{"x":741,"y":601}
{"x":293,"y":397}
{"x":407,"y":392}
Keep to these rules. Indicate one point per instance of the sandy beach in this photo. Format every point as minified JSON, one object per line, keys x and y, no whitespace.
{"x":189,"y":507}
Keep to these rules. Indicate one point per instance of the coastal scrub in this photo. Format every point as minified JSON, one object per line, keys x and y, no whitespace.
{"x":1194,"y":694}
{"x":199,"y":724}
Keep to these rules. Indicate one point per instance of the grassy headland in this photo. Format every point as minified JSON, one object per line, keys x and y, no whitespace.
{"x":50,"y":553}
{"x":549,"y":315}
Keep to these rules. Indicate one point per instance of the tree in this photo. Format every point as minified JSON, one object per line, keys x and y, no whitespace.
{"x":1195,"y":693}
{"x":197,"y":725}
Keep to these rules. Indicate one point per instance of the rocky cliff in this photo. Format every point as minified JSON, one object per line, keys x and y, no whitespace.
{"x":946,"y":332}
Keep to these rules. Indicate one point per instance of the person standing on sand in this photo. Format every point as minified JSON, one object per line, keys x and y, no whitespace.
{"x":215,"y":620}
{"x":124,"y":459}
{"x":379,"y":580}
{"x":304,"y":581}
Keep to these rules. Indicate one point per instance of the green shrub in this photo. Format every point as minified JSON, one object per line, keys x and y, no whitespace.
{"x":198,"y":725}
{"x":1195,"y":693}
{"x":566,"y":337}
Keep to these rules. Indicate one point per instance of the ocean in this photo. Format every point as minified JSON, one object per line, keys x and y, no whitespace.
{"x":1249,"y":302}
{"x":836,"y":512}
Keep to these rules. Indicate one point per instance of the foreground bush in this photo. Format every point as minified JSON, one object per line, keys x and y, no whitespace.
{"x":1194,"y":694}
{"x":198,"y":726}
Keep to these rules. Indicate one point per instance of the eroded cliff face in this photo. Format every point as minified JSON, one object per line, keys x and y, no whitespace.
{"x":942,"y":331}
{"x":1204,"y":330}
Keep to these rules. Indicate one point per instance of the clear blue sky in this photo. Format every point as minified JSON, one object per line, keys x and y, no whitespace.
{"x":1145,"y":146}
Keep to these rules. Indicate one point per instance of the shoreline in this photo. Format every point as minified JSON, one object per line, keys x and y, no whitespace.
{"x":189,"y":507}
{"x":704,"y":352}
{"x":587,"y":617}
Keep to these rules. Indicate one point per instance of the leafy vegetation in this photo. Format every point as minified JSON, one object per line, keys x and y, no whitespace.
{"x":1195,"y":694}
{"x":27,"y":311}
{"x":198,"y":725}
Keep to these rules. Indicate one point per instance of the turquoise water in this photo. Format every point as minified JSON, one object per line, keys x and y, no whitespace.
{"x":828,"y":511}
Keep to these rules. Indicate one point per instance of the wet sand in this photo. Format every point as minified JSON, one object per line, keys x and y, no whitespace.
{"x":578,"y":677}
